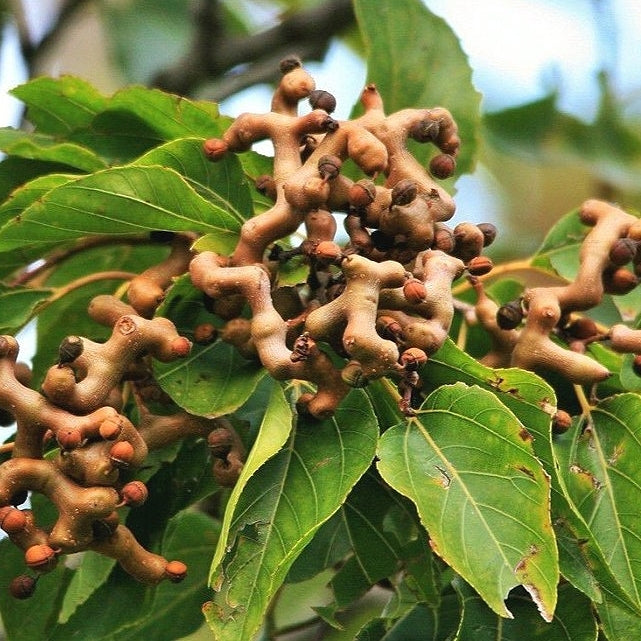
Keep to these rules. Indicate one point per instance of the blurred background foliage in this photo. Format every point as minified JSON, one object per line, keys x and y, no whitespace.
{"x":552,"y":135}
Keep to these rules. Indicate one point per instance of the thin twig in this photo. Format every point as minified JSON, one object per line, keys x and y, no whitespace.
{"x":87,"y":280}
{"x":31,"y":272}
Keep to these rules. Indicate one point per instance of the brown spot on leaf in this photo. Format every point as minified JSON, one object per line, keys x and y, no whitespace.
{"x":445,"y":477}
{"x":527,"y":471}
{"x":587,"y":475}
{"x":525,"y":435}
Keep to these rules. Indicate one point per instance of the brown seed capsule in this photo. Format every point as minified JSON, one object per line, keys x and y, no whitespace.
{"x":321,"y":99}
{"x":425,"y":131}
{"x":289,"y":64}
{"x":215,"y":148}
{"x":205,"y":333}
{"x":176,"y":571}
{"x":329,"y":166}
{"x":134,"y":493}
{"x":220,"y":441}
{"x":469,"y":240}
{"x":619,"y":281}
{"x":110,"y":429}
{"x":69,"y":350}
{"x":414,"y":291}
{"x":442,"y":166}
{"x":69,"y":439}
{"x":510,"y":315}
{"x":623,"y":251}
{"x":180,"y":347}
{"x":636,"y":364}
{"x":22,"y":586}
{"x":404,"y":192}
{"x":412,"y":358}
{"x":561,"y":422}
{"x":479,"y":265}
{"x":390,"y":328}
{"x":352,"y":375}
{"x":12,"y":520}
{"x":362,"y":193}
{"x":122,"y":454}
{"x":443,"y":238}
{"x":582,"y":328}
{"x":40,"y":557}
{"x":489,"y":233}
{"x":328,"y":250}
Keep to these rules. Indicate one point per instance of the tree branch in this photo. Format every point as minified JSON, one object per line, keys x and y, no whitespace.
{"x":31,"y":50}
{"x":306,"y":33}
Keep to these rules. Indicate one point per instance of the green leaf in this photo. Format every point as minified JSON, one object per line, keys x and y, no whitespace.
{"x":57,"y":106}
{"x":122,"y":200}
{"x":617,"y":623}
{"x":524,"y":128}
{"x":15,"y":171}
{"x":254,"y":166}
{"x":573,"y":619}
{"x":560,"y":248}
{"x":608,"y":147}
{"x":169,"y":115}
{"x":223,"y":182}
{"x":376,"y":552}
{"x":466,"y":461}
{"x":18,"y":305}
{"x":275,"y":428}
{"x":602,"y":475}
{"x":94,"y":570}
{"x":121,"y":127}
{"x":329,"y":546}
{"x":42,"y":147}
{"x":214,"y":379}
{"x":281,"y":507}
{"x":28,"y":193}
{"x":419,"y":623}
{"x":416,"y":60}
{"x":533,"y":401}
